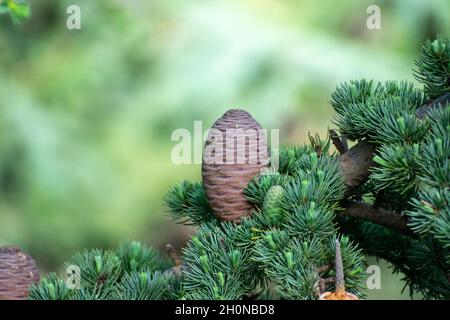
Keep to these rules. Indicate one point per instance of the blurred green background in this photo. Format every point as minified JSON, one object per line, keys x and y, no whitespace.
{"x":86,"y":115}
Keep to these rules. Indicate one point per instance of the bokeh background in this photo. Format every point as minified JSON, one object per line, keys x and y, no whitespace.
{"x":86,"y":115}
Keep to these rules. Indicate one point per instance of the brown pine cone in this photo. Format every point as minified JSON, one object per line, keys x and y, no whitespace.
{"x":235,"y":152}
{"x":18,"y":271}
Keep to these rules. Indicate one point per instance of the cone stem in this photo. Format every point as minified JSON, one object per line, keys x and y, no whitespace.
{"x":340,"y":281}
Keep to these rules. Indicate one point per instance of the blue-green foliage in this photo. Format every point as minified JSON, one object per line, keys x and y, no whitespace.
{"x":433,"y":67}
{"x":144,"y":285}
{"x":411,"y":171}
{"x":132,"y":272}
{"x":281,"y":247}
{"x":430,"y":212}
{"x":52,"y":287}
{"x":423,"y":263}
{"x":398,"y":168}
{"x":188,"y":203}
{"x":380,"y":113}
{"x":137,"y":257}
{"x":257,"y":189}
{"x":217,"y":268}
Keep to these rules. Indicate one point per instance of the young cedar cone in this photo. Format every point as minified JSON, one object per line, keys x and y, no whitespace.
{"x":272,"y":203}
{"x":235,"y":152}
{"x":18,"y":271}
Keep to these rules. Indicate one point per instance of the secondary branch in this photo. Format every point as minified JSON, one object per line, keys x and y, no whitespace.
{"x":356,"y":163}
{"x":383,"y":217}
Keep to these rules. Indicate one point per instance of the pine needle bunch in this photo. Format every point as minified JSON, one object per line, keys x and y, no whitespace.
{"x":131,"y":272}
{"x":433,"y":67}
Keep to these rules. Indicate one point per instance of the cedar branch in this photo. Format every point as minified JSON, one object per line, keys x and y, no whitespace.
{"x":384,"y":217}
{"x":356,"y":163}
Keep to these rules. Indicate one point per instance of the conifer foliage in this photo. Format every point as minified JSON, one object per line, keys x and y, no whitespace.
{"x":399,"y":210}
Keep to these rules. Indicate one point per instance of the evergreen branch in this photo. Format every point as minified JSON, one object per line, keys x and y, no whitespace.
{"x":217,"y":268}
{"x":50,"y":288}
{"x":256,"y":190}
{"x":309,"y":221}
{"x":433,"y":67}
{"x":142,"y":286}
{"x":422,"y":261}
{"x":383,"y":217}
{"x":131,"y":272}
{"x":397,"y":169}
{"x":100,"y":271}
{"x":188,"y":203}
{"x":430,"y":212}
{"x":136,"y":257}
{"x":357,"y":161}
{"x":291,"y":158}
{"x":441,"y":101}
{"x":356,"y":164}
{"x":368,"y":111}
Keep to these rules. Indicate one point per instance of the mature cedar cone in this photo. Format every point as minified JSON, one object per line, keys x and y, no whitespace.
{"x":18,"y":271}
{"x":235,"y":152}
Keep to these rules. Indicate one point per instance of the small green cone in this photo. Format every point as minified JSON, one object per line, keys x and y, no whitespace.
{"x":272,"y":204}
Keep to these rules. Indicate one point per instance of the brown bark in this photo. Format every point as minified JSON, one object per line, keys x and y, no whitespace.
{"x":439,"y":102}
{"x":386,"y":218}
{"x":339,"y":142}
{"x":356,"y":163}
